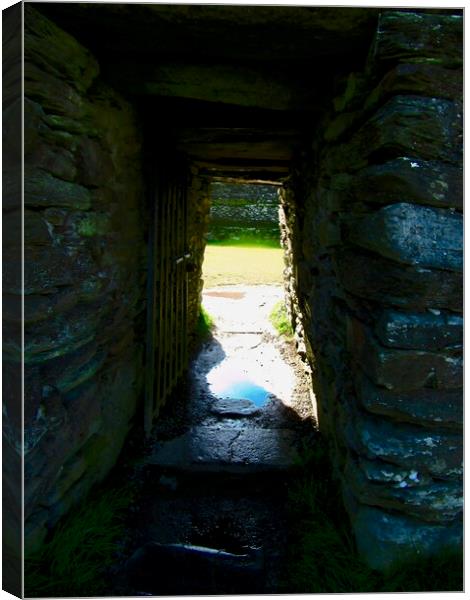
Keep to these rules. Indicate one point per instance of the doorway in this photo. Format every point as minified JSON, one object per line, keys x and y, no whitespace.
{"x":243,"y":300}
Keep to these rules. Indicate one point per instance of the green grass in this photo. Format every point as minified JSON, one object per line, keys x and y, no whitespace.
{"x":241,"y":265}
{"x":322,"y":554}
{"x":204,"y":325}
{"x":280,"y":320}
{"x":74,"y":560}
{"x":246,"y":242}
{"x":441,"y":572}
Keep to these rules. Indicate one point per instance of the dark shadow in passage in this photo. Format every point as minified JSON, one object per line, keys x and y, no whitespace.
{"x":184,"y":516}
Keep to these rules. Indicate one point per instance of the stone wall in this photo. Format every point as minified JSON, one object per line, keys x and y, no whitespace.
{"x":12,"y":477}
{"x":199,"y":205}
{"x":243,"y":211}
{"x":374,"y":228}
{"x":85,"y":262}
{"x":290,"y":217}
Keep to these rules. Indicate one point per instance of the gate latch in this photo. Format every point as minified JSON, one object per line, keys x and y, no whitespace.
{"x":190,"y":265}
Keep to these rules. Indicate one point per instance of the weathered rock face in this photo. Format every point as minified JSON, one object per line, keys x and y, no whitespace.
{"x":413,"y":235}
{"x":372,"y":229}
{"x":85,"y":261}
{"x":12,"y":484}
{"x":290,"y":215}
{"x":243,"y":211}
{"x":198,"y":218}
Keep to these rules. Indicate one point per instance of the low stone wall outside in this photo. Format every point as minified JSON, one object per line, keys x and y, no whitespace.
{"x":243,"y":211}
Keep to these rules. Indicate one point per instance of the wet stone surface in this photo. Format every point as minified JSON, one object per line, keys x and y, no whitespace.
{"x":229,"y":447}
{"x":212,"y":515}
{"x":235,"y":408}
{"x":220,"y":514}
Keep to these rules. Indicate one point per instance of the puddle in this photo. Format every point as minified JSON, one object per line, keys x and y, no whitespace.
{"x":229,"y":383}
{"x":225,"y":294}
{"x":243,"y":389}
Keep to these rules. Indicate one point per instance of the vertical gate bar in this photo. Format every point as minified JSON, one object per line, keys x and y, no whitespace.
{"x":169,"y":340}
{"x":181,"y":269}
{"x":166,"y":295}
{"x":182,"y":331}
{"x":171,"y":306}
{"x":151,"y":314}
{"x":184,"y":271}
{"x":186,"y":276}
{"x":172,"y":288}
{"x":160,"y":307}
{"x":167,"y":318}
{"x":175,"y":282}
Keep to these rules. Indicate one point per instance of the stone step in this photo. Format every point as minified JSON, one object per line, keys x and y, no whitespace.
{"x":221,"y":448}
{"x":235,"y":408}
{"x":168,"y":569}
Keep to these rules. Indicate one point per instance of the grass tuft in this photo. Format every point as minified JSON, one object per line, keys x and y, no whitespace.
{"x":204,"y":326}
{"x":321,"y":552}
{"x":280,"y":320}
{"x":82,"y":547}
{"x":441,"y":572}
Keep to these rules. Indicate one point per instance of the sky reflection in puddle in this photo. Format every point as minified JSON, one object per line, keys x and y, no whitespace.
{"x":227,"y":382}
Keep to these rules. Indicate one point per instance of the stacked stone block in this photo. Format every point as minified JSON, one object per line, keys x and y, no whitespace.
{"x":378,"y":249}
{"x":84,"y":276}
{"x":243,"y":211}
{"x":290,"y":217}
{"x":198,"y":219}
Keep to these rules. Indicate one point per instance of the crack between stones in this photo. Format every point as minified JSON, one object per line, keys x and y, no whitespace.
{"x":231,"y":449}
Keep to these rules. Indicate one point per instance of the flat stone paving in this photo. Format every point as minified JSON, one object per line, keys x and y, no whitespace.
{"x":228,"y":448}
{"x":220,"y":467}
{"x":242,"y":309}
{"x":230,"y":437}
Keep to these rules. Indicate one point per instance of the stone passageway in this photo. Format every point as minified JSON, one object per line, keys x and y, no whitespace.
{"x":212,"y":517}
{"x":130,"y":112}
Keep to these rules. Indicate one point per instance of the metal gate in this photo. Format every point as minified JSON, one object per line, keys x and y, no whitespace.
{"x":167,"y":314}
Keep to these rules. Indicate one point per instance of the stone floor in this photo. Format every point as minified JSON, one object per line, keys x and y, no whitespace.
{"x":212,"y":517}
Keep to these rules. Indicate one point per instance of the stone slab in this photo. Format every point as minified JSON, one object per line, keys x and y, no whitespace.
{"x":376,"y":278}
{"x":66,"y":57}
{"x":414,"y":235}
{"x":423,"y":79}
{"x":424,"y":406}
{"x":256,"y":33}
{"x":427,"y":451}
{"x":403,"y":36}
{"x":406,"y":125}
{"x":213,"y":82}
{"x":421,"y":331}
{"x":43,"y":189}
{"x":383,"y":537}
{"x":434,"y":501}
{"x":200,"y":570}
{"x":419,"y":181}
{"x":234,"y":408}
{"x":403,"y":370}
{"x":380,"y":472}
{"x":220,"y":448}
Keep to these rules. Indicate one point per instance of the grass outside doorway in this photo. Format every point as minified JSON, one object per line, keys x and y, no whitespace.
{"x":233,"y":265}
